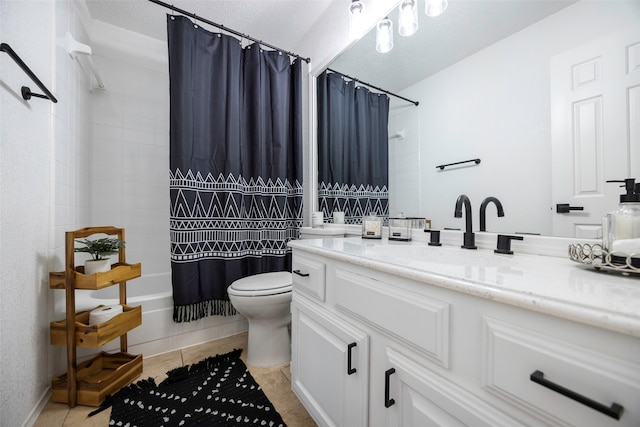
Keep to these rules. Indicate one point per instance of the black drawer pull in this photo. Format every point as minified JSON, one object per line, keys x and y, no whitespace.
{"x":350,"y":370}
{"x":615,"y":411}
{"x":300,"y":273}
{"x":388,"y":402}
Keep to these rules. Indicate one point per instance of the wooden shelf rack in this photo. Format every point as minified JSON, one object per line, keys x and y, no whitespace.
{"x":91,"y":381}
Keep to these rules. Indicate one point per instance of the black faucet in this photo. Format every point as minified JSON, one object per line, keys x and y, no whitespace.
{"x":483,"y":211}
{"x":469,"y":237}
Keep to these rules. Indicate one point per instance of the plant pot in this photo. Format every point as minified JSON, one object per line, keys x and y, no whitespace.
{"x":92,"y":266}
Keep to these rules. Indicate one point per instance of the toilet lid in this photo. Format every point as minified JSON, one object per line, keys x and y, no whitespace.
{"x":262,"y":284}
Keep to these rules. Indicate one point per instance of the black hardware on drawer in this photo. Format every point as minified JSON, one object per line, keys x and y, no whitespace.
{"x":300,"y":273}
{"x":350,"y":370}
{"x":388,"y":402}
{"x":615,"y":411}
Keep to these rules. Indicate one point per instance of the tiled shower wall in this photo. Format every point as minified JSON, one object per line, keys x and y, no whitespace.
{"x":130,"y":158}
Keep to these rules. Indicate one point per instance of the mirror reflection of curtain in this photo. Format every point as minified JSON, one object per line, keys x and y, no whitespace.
{"x":235,"y":164}
{"x":353,"y":149}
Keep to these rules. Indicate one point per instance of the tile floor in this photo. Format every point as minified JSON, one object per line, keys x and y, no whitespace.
{"x":275,"y":381}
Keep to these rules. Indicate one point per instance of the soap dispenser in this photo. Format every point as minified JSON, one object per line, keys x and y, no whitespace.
{"x":621,"y":228}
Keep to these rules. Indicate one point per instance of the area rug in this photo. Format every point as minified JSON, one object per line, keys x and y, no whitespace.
{"x":217,"y":391}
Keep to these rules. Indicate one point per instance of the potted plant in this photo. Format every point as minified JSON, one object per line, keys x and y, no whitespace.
{"x":100,"y":251}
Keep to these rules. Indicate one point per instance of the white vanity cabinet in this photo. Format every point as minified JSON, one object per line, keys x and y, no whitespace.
{"x":330,"y":357}
{"x":427,"y":355}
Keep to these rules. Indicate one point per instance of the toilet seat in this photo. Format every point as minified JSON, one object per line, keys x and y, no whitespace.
{"x":262,"y":284}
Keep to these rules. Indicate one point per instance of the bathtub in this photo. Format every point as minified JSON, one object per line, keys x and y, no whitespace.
{"x":158,"y":333}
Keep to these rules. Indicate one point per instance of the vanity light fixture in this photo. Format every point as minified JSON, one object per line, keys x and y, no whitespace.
{"x":356,"y":10}
{"x":384,"y":35}
{"x":408,"y":17}
{"x":435,"y":7}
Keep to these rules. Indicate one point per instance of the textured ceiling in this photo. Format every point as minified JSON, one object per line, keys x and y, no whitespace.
{"x":466,"y":27}
{"x":281,"y":23}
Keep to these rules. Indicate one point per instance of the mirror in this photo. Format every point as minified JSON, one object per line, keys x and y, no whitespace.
{"x":482,"y":73}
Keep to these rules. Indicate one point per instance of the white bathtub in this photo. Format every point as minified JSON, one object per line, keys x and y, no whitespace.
{"x":158,"y":332}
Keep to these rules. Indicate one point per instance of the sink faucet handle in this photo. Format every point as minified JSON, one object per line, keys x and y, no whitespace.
{"x":435,"y":238}
{"x":504,"y":244}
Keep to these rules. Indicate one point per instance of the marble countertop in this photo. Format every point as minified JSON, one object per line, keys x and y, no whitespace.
{"x":551,"y":285}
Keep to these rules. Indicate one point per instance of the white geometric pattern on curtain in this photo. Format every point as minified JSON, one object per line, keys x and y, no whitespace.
{"x":222,"y":228}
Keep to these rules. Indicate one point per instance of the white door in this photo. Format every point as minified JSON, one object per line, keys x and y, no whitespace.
{"x":595,"y":125}
{"x":329,"y":367}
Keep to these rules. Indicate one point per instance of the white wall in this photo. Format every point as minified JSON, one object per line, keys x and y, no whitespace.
{"x":25,"y":142}
{"x":494,"y":105}
{"x":43,"y":148}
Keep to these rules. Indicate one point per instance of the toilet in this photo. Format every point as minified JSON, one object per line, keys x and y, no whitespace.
{"x":265,"y":300}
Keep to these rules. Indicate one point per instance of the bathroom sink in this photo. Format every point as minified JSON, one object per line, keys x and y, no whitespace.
{"x":416,"y":255}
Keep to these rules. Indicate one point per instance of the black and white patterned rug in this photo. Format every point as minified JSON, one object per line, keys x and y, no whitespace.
{"x":217,"y":391}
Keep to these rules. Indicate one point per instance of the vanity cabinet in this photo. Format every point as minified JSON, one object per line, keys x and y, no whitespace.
{"x":331,"y":360}
{"x":426,"y":355}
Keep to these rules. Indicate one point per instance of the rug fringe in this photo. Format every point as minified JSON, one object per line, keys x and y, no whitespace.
{"x":129,"y":390}
{"x":183,"y":372}
{"x":199,"y":310}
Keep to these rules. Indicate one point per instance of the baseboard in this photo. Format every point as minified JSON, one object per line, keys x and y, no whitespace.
{"x":35,"y":412}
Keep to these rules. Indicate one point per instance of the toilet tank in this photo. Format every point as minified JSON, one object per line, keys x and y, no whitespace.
{"x":321,"y":233}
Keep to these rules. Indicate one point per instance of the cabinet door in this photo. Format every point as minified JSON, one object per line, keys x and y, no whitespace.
{"x":329,"y":366}
{"x":411,"y":395}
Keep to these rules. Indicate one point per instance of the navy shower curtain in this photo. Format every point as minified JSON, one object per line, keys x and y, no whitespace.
{"x":235,"y":164}
{"x":353,"y":149}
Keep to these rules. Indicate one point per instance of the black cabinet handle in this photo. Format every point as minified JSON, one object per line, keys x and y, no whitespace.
{"x":615,"y":411}
{"x":350,"y":370}
{"x":388,"y":402}
{"x":565,"y":208}
{"x":300,"y":273}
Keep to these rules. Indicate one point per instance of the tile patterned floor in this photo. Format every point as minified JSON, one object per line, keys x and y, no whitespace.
{"x":275,"y":381}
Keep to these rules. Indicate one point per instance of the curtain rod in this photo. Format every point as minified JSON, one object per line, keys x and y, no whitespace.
{"x":374,"y":87}
{"x":222,"y":27}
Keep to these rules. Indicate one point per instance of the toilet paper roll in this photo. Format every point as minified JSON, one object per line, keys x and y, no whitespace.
{"x":104,"y":313}
{"x":338,"y":217}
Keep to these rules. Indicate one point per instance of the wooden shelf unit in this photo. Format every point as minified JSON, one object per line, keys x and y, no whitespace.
{"x":91,"y":381}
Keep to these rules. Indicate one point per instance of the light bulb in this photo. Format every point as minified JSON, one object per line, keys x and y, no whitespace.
{"x":408,"y":18}
{"x":384,"y":35}
{"x":356,"y":9}
{"x":435,"y":7}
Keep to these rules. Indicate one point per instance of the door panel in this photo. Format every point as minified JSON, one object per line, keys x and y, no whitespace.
{"x":595,"y":115}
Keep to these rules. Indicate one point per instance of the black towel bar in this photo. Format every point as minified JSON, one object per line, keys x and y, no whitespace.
{"x":26,"y":92}
{"x":441,"y":167}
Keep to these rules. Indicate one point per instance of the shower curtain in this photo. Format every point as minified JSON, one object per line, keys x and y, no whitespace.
{"x":235,"y":164}
{"x":353,"y":149}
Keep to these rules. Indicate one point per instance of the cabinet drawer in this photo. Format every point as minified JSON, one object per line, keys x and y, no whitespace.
{"x":516,"y":356}
{"x":308,"y":276}
{"x":419,"y":321}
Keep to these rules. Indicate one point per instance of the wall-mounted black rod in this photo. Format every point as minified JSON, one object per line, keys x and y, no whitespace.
{"x":228,"y":30}
{"x":374,"y":87}
{"x":441,"y":167}
{"x":26,"y":92}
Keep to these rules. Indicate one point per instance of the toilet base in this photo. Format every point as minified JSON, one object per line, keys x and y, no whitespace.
{"x":268,"y":345}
